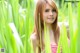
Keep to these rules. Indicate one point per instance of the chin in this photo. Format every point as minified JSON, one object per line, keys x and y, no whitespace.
{"x":50,"y":22}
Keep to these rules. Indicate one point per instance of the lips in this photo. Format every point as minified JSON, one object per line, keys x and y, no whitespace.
{"x":50,"y":18}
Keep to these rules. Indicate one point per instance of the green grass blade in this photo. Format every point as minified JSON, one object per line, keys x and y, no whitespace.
{"x":47,"y":40}
{"x":78,"y":20}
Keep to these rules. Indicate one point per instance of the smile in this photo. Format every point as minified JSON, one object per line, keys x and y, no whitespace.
{"x":50,"y":18}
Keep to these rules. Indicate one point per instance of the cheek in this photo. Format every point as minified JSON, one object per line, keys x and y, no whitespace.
{"x":44,"y":16}
{"x":55,"y":15}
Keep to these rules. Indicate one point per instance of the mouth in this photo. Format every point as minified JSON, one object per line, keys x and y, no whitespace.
{"x":50,"y":18}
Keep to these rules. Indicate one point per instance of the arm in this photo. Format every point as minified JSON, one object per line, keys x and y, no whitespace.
{"x":34,"y":42}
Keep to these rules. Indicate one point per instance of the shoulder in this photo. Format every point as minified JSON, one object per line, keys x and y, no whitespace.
{"x":67,"y":27}
{"x":59,"y":25}
{"x":65,"y":23}
{"x":33,"y":37}
{"x":34,"y":41}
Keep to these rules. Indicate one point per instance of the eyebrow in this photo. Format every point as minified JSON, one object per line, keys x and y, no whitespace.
{"x":49,"y":9}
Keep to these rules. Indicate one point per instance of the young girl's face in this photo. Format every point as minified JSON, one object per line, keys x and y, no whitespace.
{"x":49,"y":14}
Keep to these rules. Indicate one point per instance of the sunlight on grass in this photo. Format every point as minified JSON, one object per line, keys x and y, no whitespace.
{"x":17,"y":23}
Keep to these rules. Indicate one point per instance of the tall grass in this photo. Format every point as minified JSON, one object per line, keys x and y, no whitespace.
{"x":16,"y":26}
{"x":47,"y":39}
{"x":73,"y":30}
{"x":78,"y":20}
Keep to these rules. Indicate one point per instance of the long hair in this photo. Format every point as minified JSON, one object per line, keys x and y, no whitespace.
{"x":39,"y":26}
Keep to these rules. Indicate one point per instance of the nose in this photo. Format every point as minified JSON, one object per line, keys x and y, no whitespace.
{"x":51,"y":13}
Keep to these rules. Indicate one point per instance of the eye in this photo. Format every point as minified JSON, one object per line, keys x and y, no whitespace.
{"x":47,"y":10}
{"x":53,"y":10}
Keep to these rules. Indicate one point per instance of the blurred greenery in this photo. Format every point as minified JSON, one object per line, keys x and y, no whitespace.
{"x":17,"y":24}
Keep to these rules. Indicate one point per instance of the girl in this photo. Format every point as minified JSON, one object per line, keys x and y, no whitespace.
{"x":46,"y":11}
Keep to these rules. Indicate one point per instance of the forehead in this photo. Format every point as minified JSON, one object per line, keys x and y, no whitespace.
{"x":47,"y":6}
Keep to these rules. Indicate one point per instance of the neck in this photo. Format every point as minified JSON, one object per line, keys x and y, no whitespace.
{"x":48,"y":26}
